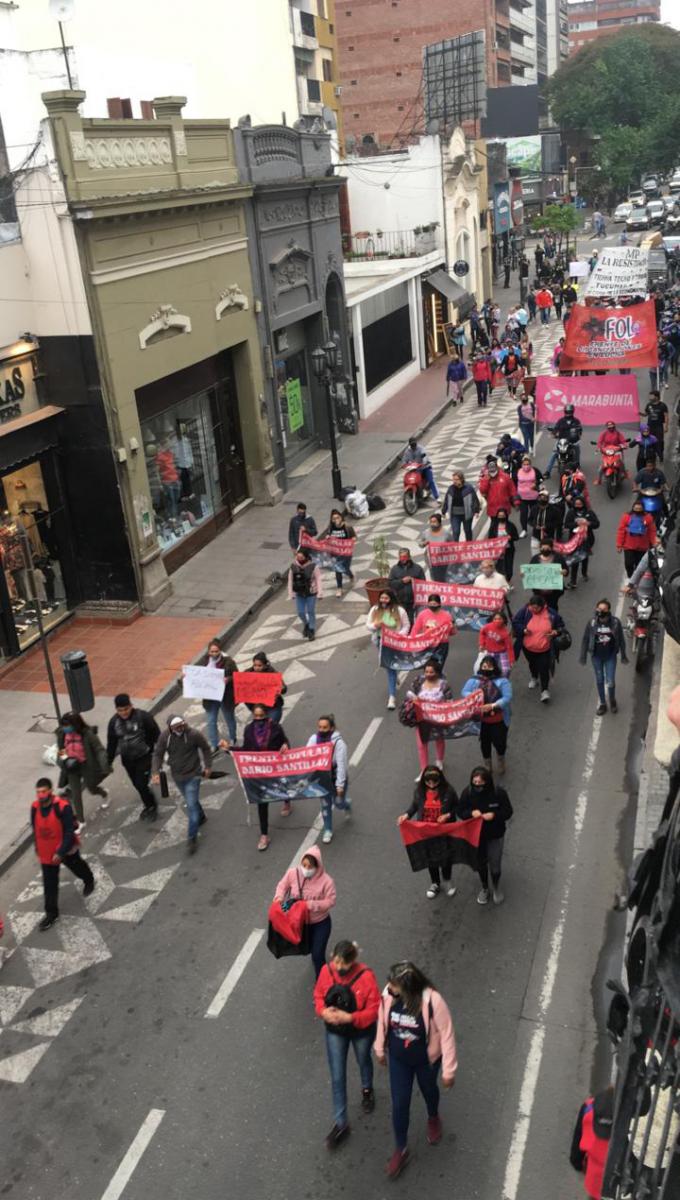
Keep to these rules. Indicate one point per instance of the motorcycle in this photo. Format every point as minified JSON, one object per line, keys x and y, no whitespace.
{"x":653,"y":502}
{"x":612,"y":467}
{"x":567,"y":454}
{"x":641,"y":626}
{"x":415,"y":492}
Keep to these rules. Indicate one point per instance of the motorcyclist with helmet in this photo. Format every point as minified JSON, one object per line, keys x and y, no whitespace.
{"x":570,"y":429}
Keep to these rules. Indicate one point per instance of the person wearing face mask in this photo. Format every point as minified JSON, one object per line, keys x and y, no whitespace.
{"x":495,"y":639}
{"x":603,"y":640}
{"x":497,"y":488}
{"x":83,"y":762}
{"x":305,"y":587}
{"x":401,"y":577}
{"x":610,"y":438}
{"x":262,"y":663}
{"x":347,"y":999}
{"x":635,"y":535}
{"x":502,"y":526}
{"x":495,"y":710}
{"x":435,"y":618}
{"x":221,"y":662}
{"x":535,"y":627}
{"x":338,"y":528}
{"x":311,"y":882}
{"x":647,"y":446}
{"x":546,"y":519}
{"x":326,"y":732}
{"x":489,"y":577}
{"x":56,"y":842}
{"x":526,"y":416}
{"x":434,"y":532}
{"x":528,"y":482}
{"x":185,"y":748}
{"x":133,"y":733}
{"x":462,"y":505}
{"x":300,"y":524}
{"x":416,"y":1037}
{"x":429,"y":685}
{"x":261,"y":734}
{"x":392,"y":616}
{"x":492,"y":803}
{"x":415,"y":453}
{"x":547,"y":554}
{"x":434,"y":799}
{"x":577,"y":513}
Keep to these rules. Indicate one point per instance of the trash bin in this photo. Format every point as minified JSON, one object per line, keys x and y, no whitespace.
{"x":78,"y":680}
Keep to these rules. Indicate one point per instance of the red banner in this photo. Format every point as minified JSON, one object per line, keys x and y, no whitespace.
{"x":429,"y":844}
{"x":610,"y":338}
{"x":576,"y":540}
{"x":450,"y":712}
{"x":257,"y":687}
{"x":457,"y":595}
{"x":596,"y":398}
{"x":334,"y":546}
{"x":441,"y":553}
{"x":299,"y":774}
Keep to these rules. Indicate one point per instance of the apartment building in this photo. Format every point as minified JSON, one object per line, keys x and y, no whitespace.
{"x":591,"y":19}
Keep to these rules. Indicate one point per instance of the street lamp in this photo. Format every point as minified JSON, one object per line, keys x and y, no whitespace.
{"x":325,"y":360}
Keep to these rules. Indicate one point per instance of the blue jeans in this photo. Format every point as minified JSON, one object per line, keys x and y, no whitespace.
{"x":337,"y":1048}
{"x":402,"y":1078}
{"x":391,"y":681}
{"x":553,"y":458}
{"x":212,"y":711}
{"x":306,"y":610}
{"x":605,"y":672}
{"x":318,"y":940}
{"x":458,"y":523}
{"x":526,"y":429}
{"x":190,"y":789}
{"x":428,"y":477}
{"x":545,"y":315}
{"x":342,"y":803}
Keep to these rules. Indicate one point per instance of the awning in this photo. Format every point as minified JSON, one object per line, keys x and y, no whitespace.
{"x":448,"y":287}
{"x":26,"y":437}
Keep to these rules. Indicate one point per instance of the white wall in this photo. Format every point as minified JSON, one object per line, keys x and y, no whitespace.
{"x":413,"y":196}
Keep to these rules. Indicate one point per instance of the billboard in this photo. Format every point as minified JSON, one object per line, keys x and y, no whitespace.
{"x":501,"y":207}
{"x":524,"y":153}
{"x":511,"y":111}
{"x":454,"y":79}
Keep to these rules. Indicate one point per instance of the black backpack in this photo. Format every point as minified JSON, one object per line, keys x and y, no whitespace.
{"x":340,"y":995}
{"x":300,"y":582}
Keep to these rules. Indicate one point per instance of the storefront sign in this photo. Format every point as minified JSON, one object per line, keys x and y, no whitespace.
{"x":501,"y":208}
{"x":18,"y":394}
{"x":610,"y":338}
{"x":517,"y":202}
{"x":461,"y":267}
{"x":296,"y":416}
{"x":596,"y":398}
{"x":620,"y":271}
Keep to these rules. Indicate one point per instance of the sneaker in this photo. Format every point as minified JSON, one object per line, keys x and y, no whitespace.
{"x":613,"y":705}
{"x":263,"y":842}
{"x":337,"y":1136}
{"x":286,"y":808}
{"x":600,"y":710}
{"x":367,"y":1100}
{"x":192,"y":845}
{"x":327,"y":836}
{"x":432,"y":891}
{"x":545,"y":696}
{"x":523,"y":533}
{"x":339,"y":593}
{"x":311,"y":635}
{"x":400,"y":1158}
{"x":497,"y":895}
{"x":434,"y":1130}
{"x":202,"y":819}
{"x":89,"y":887}
{"x":451,"y":890}
{"x":483,"y":897}
{"x":439,"y":762}
{"x":105,"y":798}
{"x":533,"y":683}
{"x":391,"y":703}
{"x":79,"y":826}
{"x":305,"y":631}
{"x":48,"y":921}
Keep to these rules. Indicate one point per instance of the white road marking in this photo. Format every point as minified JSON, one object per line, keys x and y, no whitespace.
{"x":235,"y":972}
{"x":527,"y":1096}
{"x":84,"y":946}
{"x":154,"y":882}
{"x":16,"y":1068}
{"x":50,"y":1023}
{"x":365,"y":742}
{"x":307,"y":842}
{"x":132,"y":1158}
{"x":118,"y":846}
{"x":11,"y":1000}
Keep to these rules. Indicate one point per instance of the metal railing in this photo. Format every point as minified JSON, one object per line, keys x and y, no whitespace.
{"x":409,"y":243}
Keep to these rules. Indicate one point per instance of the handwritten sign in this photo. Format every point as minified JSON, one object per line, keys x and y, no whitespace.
{"x":542,"y":576}
{"x":202,"y":683}
{"x":620,"y":271}
{"x":257,"y":687}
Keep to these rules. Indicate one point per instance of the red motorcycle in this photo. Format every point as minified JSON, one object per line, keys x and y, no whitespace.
{"x":415,"y":491}
{"x":612,"y":467}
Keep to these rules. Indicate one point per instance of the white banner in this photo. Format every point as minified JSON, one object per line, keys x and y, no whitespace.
{"x":202,"y":683}
{"x":619,"y":271}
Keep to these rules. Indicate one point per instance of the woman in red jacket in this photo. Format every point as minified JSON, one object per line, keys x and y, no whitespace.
{"x":635,"y":535}
{"x":347,"y":999}
{"x":496,"y":487}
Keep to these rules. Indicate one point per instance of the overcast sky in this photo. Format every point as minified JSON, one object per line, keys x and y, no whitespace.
{"x":670,"y":12}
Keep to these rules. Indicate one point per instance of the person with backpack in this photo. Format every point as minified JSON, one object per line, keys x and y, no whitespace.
{"x":482,"y":798}
{"x":311,"y":882}
{"x":603,"y":640}
{"x":305,"y":588}
{"x":347,"y":999}
{"x":489,"y":679}
{"x":56,"y":842}
{"x":133,"y":733}
{"x":83,"y":762}
{"x":434,"y":799}
{"x":416,"y":1037}
{"x":327,"y":732}
{"x":635,"y":535}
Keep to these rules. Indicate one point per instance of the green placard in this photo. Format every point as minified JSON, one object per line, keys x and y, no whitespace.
{"x":296,"y":416}
{"x":546,"y":577}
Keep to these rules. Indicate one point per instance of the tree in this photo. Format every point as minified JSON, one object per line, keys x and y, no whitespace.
{"x":560,"y":219}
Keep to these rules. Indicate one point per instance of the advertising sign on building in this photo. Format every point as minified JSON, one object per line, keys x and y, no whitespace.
{"x":517,"y":202}
{"x":524,"y":152}
{"x":501,"y":207}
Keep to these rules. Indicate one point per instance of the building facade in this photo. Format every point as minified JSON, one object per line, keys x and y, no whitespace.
{"x":591,"y":19}
{"x":160,"y":224}
{"x":296,"y":256}
{"x":312,"y":25}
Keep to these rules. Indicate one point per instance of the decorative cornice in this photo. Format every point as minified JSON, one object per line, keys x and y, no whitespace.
{"x":165,"y":318}
{"x":231,"y":298}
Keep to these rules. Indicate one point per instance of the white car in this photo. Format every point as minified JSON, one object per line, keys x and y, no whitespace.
{"x":674,"y":183}
{"x":637,"y":199}
{"x":656,"y":212}
{"x":623,"y":211}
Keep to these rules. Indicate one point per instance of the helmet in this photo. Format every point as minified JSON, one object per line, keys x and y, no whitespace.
{"x":568,"y":410}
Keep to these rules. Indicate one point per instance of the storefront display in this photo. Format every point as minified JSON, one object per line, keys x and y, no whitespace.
{"x":182,"y":465}
{"x":295,"y":402}
{"x":25,"y":517}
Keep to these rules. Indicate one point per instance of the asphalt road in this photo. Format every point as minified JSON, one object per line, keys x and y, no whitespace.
{"x":114,"y":1082}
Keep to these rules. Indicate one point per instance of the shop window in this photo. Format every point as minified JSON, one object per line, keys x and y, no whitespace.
{"x":295,"y":402}
{"x":182,"y":467}
{"x":25,"y":517}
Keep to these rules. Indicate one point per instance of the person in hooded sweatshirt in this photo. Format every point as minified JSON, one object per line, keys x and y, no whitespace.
{"x":185,"y":748}
{"x":326,"y":732}
{"x":590,"y":1141}
{"x":311,"y":882}
{"x":495,"y":711}
{"x":492,"y":804}
{"x":261,"y":734}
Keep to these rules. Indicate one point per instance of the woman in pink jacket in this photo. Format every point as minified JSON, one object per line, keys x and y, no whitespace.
{"x":416,"y":1035}
{"x":311,"y":883}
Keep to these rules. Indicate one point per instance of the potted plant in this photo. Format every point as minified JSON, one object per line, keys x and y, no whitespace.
{"x":382,"y":565}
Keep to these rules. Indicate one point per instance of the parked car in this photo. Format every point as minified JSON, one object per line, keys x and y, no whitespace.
{"x":657,"y":269}
{"x":650,"y":186}
{"x":674,"y":183}
{"x":656,"y":212}
{"x":637,"y":198}
{"x":623,"y":211}
{"x":638,"y":219}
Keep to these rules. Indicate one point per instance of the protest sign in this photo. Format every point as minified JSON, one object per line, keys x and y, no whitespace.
{"x":469,"y":606}
{"x":332,"y":553}
{"x":297,"y":774}
{"x":546,"y":577}
{"x":401,"y":652}
{"x":578,"y":269}
{"x":429,"y":844}
{"x":257,"y":687}
{"x":202,"y":683}
{"x":620,"y":271}
{"x":450,"y":718}
{"x":610,"y":338}
{"x":596,"y":398}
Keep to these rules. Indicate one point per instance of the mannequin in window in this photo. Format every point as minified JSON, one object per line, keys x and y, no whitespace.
{"x":184,"y":457}
{"x":13,"y":558}
{"x":169,"y":475}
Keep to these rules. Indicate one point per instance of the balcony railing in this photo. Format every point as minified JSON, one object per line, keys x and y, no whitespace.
{"x":391,"y":244}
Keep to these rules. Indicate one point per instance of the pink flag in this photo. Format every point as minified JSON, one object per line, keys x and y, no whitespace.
{"x":596,"y":398}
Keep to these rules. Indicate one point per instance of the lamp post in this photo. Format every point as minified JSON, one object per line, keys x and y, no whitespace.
{"x":325,"y":359}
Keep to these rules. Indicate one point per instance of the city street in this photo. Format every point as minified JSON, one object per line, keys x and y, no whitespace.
{"x":151,"y":1047}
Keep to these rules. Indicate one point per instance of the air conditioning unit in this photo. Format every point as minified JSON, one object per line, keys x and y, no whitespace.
{"x":337,"y":90}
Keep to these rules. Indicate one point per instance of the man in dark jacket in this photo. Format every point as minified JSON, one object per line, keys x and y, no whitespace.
{"x":603,"y":640}
{"x":185,"y":747}
{"x":400,"y":580}
{"x":547,"y":517}
{"x":298,"y":524}
{"x":133,"y":733}
{"x":56,"y":842}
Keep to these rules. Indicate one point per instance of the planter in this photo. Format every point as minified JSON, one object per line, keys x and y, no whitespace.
{"x":374,"y":587}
